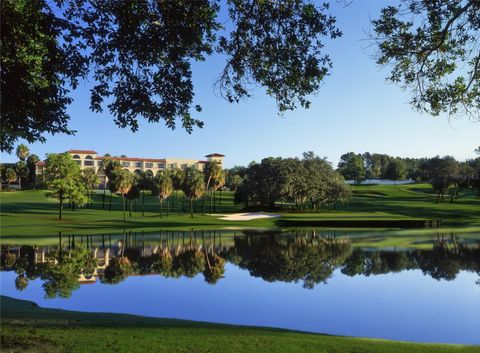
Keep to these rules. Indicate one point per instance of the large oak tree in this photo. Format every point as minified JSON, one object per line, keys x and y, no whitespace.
{"x":137,"y":58}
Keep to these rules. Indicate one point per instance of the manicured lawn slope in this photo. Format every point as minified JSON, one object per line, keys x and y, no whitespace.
{"x":30,"y":213}
{"x":27,"y":327}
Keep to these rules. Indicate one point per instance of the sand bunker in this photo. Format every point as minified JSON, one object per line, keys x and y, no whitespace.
{"x":246,"y":216}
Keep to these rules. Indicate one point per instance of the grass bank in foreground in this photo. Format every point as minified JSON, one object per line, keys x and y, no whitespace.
{"x":27,"y":327}
{"x":30,"y":213}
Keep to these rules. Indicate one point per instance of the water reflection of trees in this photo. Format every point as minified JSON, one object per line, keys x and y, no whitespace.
{"x":291,"y":258}
{"x":301,"y":256}
{"x":446,"y":259}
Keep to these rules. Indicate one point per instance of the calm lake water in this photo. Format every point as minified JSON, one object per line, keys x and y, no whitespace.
{"x":426,"y":290}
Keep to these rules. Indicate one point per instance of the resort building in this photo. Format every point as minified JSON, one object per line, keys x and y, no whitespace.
{"x":91,"y":159}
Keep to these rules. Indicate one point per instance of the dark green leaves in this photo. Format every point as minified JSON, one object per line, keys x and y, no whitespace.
{"x":278,"y":46}
{"x":432,"y":48}
{"x":137,"y":58}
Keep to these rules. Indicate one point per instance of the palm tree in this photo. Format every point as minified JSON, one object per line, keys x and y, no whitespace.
{"x":146,"y":183}
{"x":218,"y":183}
{"x":22,"y":152}
{"x":193,"y":185}
{"x":90,"y":180}
{"x":177,"y":177}
{"x":163,"y":187}
{"x":212,"y":172}
{"x":22,"y":170}
{"x":10,"y":175}
{"x":121,"y":183}
{"x":133,"y":194}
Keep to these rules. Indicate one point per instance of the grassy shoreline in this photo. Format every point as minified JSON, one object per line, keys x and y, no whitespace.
{"x":30,"y":213}
{"x":28,"y":327}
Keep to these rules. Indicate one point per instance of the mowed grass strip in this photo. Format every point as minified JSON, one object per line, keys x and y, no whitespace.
{"x":27,"y":327}
{"x":30,"y":213}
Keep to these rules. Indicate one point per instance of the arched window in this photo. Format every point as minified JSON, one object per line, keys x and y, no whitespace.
{"x":89,"y":161}
{"x":77,"y":159}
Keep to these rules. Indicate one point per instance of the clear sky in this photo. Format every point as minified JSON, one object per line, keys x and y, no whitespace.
{"x":355,"y":110}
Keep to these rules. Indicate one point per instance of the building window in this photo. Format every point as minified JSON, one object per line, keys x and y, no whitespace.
{"x":184,"y":166}
{"x":172,"y":165}
{"x":148,"y":165}
{"x":138,"y":164}
{"x":161,"y":166}
{"x":126,"y":164}
{"x":88,"y":163}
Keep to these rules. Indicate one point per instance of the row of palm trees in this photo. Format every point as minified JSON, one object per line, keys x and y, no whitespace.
{"x":194,"y":184}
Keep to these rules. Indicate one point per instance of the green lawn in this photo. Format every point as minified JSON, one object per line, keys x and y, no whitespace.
{"x":27,"y":327}
{"x":31,"y":214}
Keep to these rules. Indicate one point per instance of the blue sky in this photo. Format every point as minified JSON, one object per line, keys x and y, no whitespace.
{"x":355,"y":110}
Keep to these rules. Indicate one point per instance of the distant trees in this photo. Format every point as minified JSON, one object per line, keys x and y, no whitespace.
{"x":234,"y":177}
{"x":395,"y":170}
{"x":311,"y":179}
{"x":352,"y":166}
{"x":64,"y":180}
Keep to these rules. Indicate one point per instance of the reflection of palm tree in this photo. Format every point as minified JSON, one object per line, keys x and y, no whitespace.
{"x":214,"y":269}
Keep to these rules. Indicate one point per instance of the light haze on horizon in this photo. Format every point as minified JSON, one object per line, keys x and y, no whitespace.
{"x":355,"y":110}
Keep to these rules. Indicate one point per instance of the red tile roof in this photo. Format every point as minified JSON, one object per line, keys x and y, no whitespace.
{"x":133,"y":159}
{"x":41,"y":163}
{"x":215,"y":155}
{"x":83,"y":151}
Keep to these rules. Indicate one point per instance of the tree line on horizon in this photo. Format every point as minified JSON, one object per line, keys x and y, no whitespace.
{"x":308,"y":183}
{"x":445,"y":174}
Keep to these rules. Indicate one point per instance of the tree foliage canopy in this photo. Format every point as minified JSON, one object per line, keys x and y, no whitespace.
{"x":433,"y":49}
{"x":138,"y":56}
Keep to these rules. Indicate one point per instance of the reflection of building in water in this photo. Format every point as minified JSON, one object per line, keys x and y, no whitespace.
{"x":304,"y":256}
{"x":43,"y":254}
{"x":126,"y":247}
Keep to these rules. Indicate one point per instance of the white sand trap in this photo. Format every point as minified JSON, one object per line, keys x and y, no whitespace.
{"x":246,"y":216}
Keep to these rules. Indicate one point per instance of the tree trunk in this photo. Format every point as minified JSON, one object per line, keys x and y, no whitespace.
{"x":453,"y":195}
{"x":191,"y":207}
{"x":130,"y":208}
{"x":110,"y":209}
{"x":143,"y":203}
{"x":220,"y":199}
{"x":211,"y":201}
{"x":20,"y":183}
{"x":178,"y":202}
{"x":104,"y":192}
{"x":60,"y":209}
{"x":168,"y":206}
{"x":161,"y":208}
{"x":123,"y":206}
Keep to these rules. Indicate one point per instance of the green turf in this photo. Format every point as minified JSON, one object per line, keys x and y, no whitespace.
{"x":30,"y":213}
{"x":27,"y":327}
